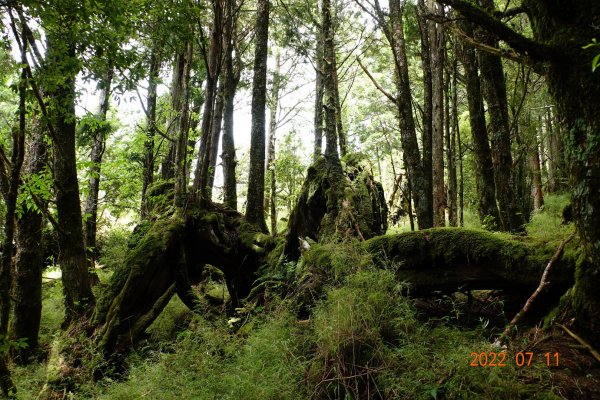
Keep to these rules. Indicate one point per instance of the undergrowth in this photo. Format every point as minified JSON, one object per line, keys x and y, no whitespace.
{"x":357,"y":337}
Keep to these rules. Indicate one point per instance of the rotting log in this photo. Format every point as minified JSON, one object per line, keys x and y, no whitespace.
{"x":449,"y":259}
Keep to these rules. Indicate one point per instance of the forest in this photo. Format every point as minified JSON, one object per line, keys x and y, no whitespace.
{"x":300,"y":199}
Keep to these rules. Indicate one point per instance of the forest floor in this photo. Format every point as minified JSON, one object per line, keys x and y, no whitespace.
{"x":360,"y":339}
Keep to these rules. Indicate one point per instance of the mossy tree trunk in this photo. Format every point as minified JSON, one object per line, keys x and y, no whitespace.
{"x":337,"y":202}
{"x":167,"y":256}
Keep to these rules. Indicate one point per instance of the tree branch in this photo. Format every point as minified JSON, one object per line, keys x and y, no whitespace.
{"x":520,"y":43}
{"x":377,"y":85}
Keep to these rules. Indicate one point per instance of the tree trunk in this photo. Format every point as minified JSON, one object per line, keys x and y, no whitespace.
{"x":98,"y":145}
{"x":72,"y":257}
{"x":213,"y":67}
{"x":538,"y":198}
{"x":329,"y":73}
{"x":494,"y":91}
{"x":215,"y":137}
{"x":410,"y":147}
{"x":451,"y":144}
{"x":318,"y":119}
{"x":482,"y":156}
{"x":271,"y":193}
{"x":148,"y":171}
{"x":26,"y":291}
{"x":256,"y":176}
{"x":438,"y":50}
{"x":231,"y":81}
{"x":339,"y":126}
{"x":181,"y":123}
{"x":557,"y":169}
{"x":427,"y":101}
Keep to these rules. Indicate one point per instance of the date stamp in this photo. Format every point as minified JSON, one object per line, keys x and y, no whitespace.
{"x":520,"y":359}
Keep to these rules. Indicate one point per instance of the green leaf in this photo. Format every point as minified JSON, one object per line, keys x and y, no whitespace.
{"x":595,"y":62}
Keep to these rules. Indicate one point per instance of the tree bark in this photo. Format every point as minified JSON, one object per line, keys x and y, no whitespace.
{"x":271,"y":193}
{"x":329,"y":73}
{"x":538,"y":198}
{"x":438,"y":50}
{"x":62,"y":64}
{"x":482,"y":156}
{"x":427,"y":101}
{"x":494,"y":91}
{"x":410,"y":147}
{"x":26,"y":291}
{"x":213,"y":68}
{"x":256,"y":177}
{"x":318,"y":118}
{"x":148,"y":171}
{"x":181,"y":123}
{"x":451,"y":143}
{"x":231,"y":81}
{"x":215,"y":137}
{"x":98,"y":145}
{"x":339,"y":126}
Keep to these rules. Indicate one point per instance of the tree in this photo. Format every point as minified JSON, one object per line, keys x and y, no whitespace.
{"x":559,"y":33}
{"x":232,"y":78}
{"x":256,"y":175}
{"x":393,"y":29}
{"x":98,"y":130}
{"x":482,"y":155}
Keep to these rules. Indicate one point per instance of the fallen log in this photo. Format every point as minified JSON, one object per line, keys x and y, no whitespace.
{"x":448,"y":259}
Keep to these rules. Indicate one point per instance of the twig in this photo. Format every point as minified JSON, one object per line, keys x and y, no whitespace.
{"x":585,"y":344}
{"x":543,"y":283}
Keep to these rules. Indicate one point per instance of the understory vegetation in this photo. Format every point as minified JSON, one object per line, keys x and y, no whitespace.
{"x":351,"y":335}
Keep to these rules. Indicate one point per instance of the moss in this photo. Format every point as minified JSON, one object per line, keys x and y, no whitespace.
{"x":147,"y":247}
{"x":160,"y":198}
{"x":434,"y":256}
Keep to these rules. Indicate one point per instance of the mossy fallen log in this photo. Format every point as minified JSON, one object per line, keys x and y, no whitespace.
{"x":449,"y":259}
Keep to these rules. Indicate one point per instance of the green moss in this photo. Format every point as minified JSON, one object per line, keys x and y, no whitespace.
{"x":149,"y":246}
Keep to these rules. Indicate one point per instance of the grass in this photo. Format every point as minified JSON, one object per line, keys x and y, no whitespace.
{"x":361,"y":339}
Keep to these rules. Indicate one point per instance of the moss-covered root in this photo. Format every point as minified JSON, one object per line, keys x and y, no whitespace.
{"x":148,"y":277}
{"x":446,"y":259}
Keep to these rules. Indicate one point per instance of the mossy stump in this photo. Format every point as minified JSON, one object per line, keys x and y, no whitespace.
{"x":339,"y":199}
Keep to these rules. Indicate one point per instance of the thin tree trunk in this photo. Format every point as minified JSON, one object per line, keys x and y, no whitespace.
{"x":26,"y":291}
{"x":72,"y":257}
{"x":213,"y":67}
{"x":271,"y":193}
{"x":318,"y":118}
{"x":451,"y":143}
{"x":494,"y":90}
{"x":329,"y":106}
{"x":456,"y":137}
{"x":256,"y":177}
{"x":338,"y":109}
{"x":231,"y":81}
{"x":181,"y":106}
{"x":148,"y":172}
{"x":427,"y":101}
{"x":538,"y":197}
{"x":482,"y":156}
{"x":410,"y":147}
{"x":11,"y":192}
{"x":438,"y":49}
{"x":215,"y":137}
{"x":98,"y":146}
{"x":543,"y":155}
